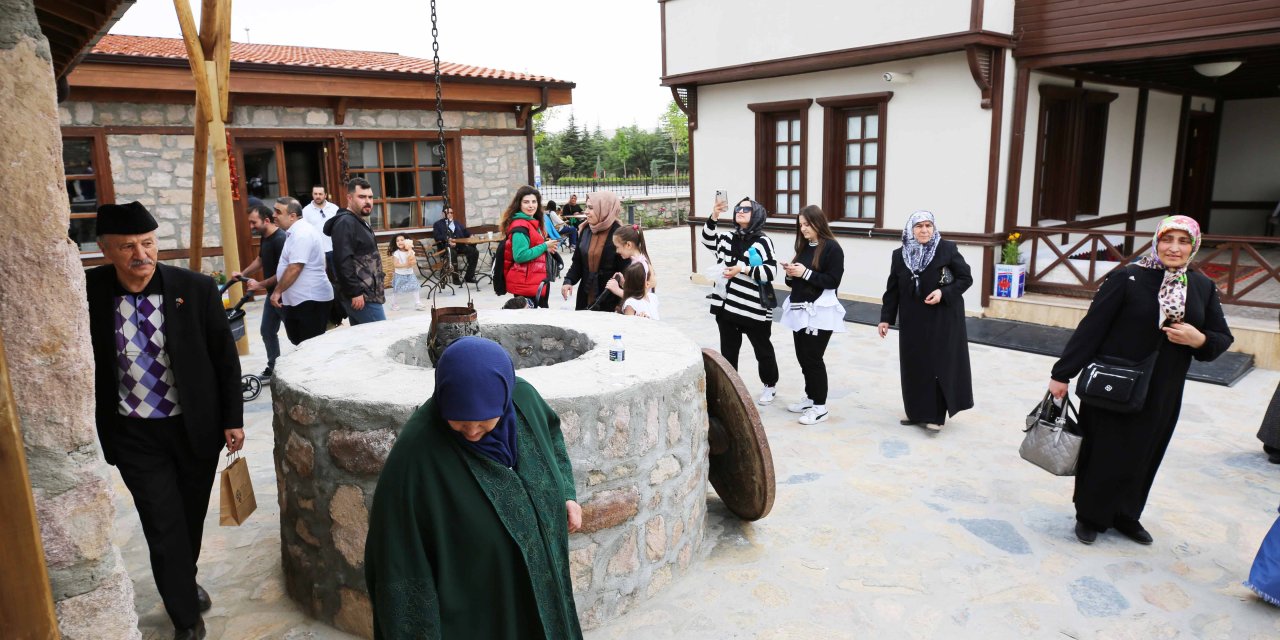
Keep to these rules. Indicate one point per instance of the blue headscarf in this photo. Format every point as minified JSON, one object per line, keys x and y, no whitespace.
{"x":475,"y":380}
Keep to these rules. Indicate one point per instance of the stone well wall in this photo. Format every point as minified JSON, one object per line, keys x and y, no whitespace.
{"x":635,"y":431}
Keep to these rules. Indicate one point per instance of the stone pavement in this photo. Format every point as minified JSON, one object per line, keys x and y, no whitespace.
{"x":878,"y":530}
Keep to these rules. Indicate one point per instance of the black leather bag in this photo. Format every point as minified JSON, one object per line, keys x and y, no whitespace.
{"x":1116,"y":384}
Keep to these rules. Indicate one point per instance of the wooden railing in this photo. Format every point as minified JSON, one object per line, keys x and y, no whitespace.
{"x":1236,"y":263}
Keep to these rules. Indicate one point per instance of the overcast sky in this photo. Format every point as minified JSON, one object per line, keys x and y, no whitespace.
{"x":610,"y":48}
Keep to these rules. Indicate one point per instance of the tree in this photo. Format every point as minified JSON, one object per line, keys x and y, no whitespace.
{"x":675,"y":124}
{"x":573,"y":145}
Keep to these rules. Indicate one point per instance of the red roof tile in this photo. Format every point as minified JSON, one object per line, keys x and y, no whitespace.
{"x":150,"y":47}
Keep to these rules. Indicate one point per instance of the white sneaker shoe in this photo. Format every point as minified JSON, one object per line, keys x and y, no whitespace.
{"x":799,"y":407}
{"x":811,"y":416}
{"x":767,"y":396}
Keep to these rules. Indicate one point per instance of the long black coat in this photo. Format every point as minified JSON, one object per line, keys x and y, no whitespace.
{"x":610,"y":263}
{"x":202,"y":355}
{"x":932,"y":342}
{"x":1122,"y":452}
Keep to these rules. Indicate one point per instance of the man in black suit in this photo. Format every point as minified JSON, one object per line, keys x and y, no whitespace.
{"x":167,"y":396}
{"x":445,"y":230}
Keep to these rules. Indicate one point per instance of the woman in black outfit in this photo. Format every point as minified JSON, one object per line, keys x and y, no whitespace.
{"x":1158,"y":306}
{"x":925,"y":294}
{"x":595,"y":260}
{"x":1269,"y":432}
{"x":813,"y":312}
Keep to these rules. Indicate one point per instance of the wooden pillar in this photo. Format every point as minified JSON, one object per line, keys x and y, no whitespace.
{"x":200,"y":164}
{"x":222,"y":183}
{"x":26,"y":601}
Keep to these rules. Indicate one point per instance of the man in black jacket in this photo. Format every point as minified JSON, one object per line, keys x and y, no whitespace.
{"x":167,"y":396}
{"x":444,"y":231}
{"x":356,"y":257}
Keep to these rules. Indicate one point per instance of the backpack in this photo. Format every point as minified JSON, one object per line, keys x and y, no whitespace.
{"x":500,"y":268}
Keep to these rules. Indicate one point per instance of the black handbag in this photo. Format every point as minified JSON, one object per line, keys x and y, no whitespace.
{"x":947,"y":277}
{"x":1116,"y":384}
{"x":768,"y":297}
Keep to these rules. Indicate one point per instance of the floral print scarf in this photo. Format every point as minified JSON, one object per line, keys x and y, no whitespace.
{"x":1173,"y":290}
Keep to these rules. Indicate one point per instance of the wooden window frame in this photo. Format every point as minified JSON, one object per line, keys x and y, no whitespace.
{"x":417,"y":221}
{"x":103,"y":187}
{"x":835,"y":110}
{"x":1072,"y":166}
{"x":767,"y":113}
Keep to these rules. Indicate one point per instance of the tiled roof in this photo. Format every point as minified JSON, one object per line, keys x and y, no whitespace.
{"x":290,"y":56}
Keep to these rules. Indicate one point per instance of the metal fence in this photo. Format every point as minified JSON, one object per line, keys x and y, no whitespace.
{"x":624,"y":187}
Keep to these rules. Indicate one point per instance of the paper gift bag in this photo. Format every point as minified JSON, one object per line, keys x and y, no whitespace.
{"x":237,"y":492}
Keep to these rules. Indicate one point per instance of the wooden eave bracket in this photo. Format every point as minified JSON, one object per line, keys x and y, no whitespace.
{"x":340,"y":111}
{"x":980,"y":59}
{"x":687,"y":102}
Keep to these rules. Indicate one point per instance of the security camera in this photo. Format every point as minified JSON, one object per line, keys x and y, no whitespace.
{"x":896,"y":77}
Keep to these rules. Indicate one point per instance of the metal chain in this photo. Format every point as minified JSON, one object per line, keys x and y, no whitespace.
{"x":435,"y":52}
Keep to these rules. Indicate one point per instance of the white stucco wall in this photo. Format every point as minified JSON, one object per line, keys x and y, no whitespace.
{"x":997,"y":15}
{"x":1248,"y":164}
{"x":936,"y":150}
{"x":708,"y":34}
{"x":1159,"y":150}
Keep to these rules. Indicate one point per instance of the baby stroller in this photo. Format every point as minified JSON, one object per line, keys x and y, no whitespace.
{"x":250,"y":384}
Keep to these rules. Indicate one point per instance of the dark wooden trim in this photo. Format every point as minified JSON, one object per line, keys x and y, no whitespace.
{"x":692,"y":123}
{"x":841,"y":59}
{"x":1017,"y":140}
{"x":1078,"y":97}
{"x":662,"y":20}
{"x":1242,"y":204}
{"x":340,"y":111}
{"x":784,"y":105}
{"x":1218,"y":107}
{"x":975,"y":23}
{"x":786,"y":224}
{"x":1096,"y":78}
{"x":982,"y":73}
{"x":1179,"y":162}
{"x":1135,"y":165}
{"x":1120,"y":50}
{"x":107,"y":94}
{"x":993,"y":167}
{"x":856,"y":100}
{"x":1115,"y":218}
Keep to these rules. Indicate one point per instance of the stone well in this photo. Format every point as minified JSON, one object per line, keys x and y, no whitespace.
{"x":636,"y":432}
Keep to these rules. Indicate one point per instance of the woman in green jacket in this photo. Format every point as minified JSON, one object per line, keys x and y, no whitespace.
{"x":468,"y":535}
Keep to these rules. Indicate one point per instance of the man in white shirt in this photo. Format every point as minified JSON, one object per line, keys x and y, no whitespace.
{"x":303,"y":291}
{"x":317,"y":212}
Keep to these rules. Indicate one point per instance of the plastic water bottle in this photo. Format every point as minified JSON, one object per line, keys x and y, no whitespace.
{"x":617,"y":353}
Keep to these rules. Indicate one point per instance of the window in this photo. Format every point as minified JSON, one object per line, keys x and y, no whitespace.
{"x":407,"y":180}
{"x":1070,"y":145}
{"x":88,"y":185}
{"x":853,"y":156}
{"x":781,"y":129}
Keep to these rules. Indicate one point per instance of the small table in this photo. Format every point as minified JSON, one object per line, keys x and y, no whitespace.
{"x":483,"y":267}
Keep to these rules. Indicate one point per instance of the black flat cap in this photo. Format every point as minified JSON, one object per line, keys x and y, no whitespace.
{"x":125,"y":219}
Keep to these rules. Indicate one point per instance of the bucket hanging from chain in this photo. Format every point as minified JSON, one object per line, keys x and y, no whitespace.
{"x":450,"y":323}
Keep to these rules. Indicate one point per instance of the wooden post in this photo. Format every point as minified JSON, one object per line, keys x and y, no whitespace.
{"x":222,"y":182}
{"x":26,"y":601}
{"x":199,"y":165}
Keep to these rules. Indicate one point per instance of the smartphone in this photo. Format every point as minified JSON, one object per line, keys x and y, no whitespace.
{"x":722,"y":195}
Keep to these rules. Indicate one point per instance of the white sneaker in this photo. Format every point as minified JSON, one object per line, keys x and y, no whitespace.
{"x":811,"y":416}
{"x":799,"y":407}
{"x":767,"y":396}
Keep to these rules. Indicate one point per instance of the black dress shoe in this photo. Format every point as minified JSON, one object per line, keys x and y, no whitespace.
{"x":191,"y":633}
{"x":911,"y":423}
{"x":202,"y":597}
{"x":1085,"y":533}
{"x":1134,"y":531}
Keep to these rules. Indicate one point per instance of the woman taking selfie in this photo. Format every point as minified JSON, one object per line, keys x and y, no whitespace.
{"x":1158,"y":314}
{"x":812,"y":312}
{"x":745,"y":256}
{"x":925,"y":295}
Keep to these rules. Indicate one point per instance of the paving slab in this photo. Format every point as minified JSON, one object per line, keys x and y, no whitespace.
{"x":878,"y":530}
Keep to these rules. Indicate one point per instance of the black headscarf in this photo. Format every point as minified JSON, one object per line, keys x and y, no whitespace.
{"x":743,"y":238}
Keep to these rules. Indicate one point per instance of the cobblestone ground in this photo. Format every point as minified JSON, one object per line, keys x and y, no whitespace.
{"x":878,"y":530}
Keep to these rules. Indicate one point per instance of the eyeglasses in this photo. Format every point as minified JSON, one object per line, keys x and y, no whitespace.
{"x":742,"y":210}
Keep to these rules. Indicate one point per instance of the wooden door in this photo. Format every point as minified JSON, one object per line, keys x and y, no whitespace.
{"x":1197,"y":159}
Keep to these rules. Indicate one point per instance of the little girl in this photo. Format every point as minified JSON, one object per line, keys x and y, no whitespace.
{"x":637,"y":300}
{"x":403,"y":281}
{"x":628,"y":242}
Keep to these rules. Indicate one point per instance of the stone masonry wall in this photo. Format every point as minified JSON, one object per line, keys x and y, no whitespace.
{"x":637,"y":439}
{"x":45,"y":326}
{"x":155,"y":169}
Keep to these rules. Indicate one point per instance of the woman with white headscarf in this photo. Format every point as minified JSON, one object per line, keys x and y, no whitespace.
{"x":925,"y":296}
{"x":1157,"y":309}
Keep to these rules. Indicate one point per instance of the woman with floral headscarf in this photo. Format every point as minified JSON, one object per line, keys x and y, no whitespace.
{"x":744,"y":255}
{"x":1158,"y":306}
{"x":925,"y":295}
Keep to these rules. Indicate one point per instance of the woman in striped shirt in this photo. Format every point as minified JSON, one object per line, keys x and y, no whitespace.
{"x":746,"y":257}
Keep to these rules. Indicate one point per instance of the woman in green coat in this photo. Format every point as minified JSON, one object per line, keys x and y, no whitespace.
{"x":468,"y":535}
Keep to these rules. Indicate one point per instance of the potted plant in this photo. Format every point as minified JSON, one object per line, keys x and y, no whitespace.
{"x":1011,"y":273}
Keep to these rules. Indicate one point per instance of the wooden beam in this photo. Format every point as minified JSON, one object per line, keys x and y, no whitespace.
{"x":340,"y":111}
{"x":210,"y":21}
{"x":222,"y":56}
{"x":226,"y":208}
{"x":75,"y":12}
{"x":195,"y":55}
{"x":26,"y":601}
{"x":199,"y":164}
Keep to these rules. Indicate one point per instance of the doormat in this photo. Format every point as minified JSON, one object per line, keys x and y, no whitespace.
{"x":1221,"y":273}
